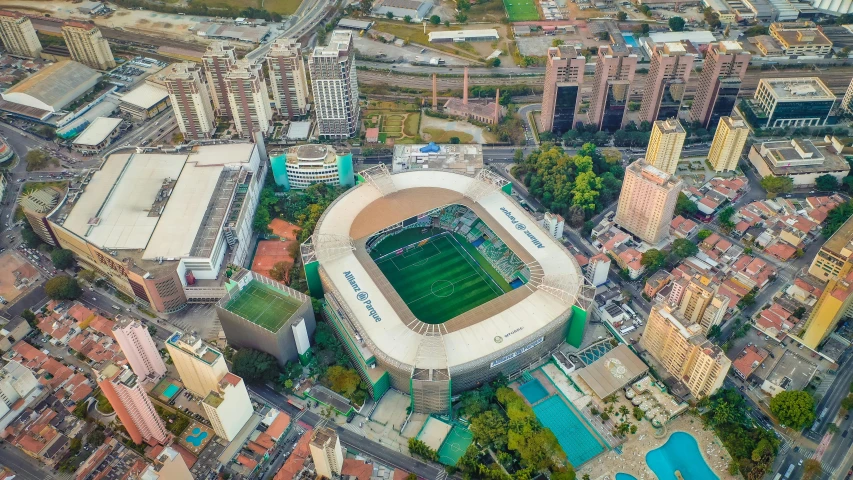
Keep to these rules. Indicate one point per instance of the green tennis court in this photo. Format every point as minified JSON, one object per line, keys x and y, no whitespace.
{"x":521,"y":10}
{"x":439,"y":279}
{"x":263,"y":306}
{"x":454,"y":445}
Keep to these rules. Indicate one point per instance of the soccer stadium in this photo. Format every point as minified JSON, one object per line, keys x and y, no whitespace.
{"x":437,"y":282}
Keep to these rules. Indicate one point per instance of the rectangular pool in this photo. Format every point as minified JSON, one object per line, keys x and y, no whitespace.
{"x":577,"y":441}
{"x":533,"y":391}
{"x":170,"y":391}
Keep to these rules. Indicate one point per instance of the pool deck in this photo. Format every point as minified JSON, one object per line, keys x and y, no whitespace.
{"x":633,"y":458}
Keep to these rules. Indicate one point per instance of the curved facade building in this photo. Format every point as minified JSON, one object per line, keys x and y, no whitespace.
{"x":304,"y":165}
{"x":543,"y":305}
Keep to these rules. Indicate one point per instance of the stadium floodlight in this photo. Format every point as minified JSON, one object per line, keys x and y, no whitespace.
{"x":329,"y":247}
{"x":380,"y":178}
{"x":484,"y":184}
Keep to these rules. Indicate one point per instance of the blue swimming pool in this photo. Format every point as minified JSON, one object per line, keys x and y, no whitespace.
{"x":681,"y":452}
{"x":576,"y":439}
{"x":629,"y":39}
{"x":625,"y":476}
{"x":533,"y":391}
{"x":197,"y":437}
{"x":170,"y":391}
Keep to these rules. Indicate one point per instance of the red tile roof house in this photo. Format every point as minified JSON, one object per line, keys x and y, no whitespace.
{"x":775,"y":321}
{"x":748,"y":361}
{"x":781,"y":250}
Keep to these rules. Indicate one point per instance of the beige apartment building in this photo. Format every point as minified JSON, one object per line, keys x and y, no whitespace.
{"x":218,"y":60}
{"x":249,"y":99}
{"x":199,"y":365}
{"x":684,"y":352}
{"x":801,"y":38}
{"x":647,"y":201}
{"x":729,"y":142}
{"x":18,"y":35}
{"x":288,"y":79}
{"x":190,"y":101}
{"x":665,"y":144}
{"x":87,"y":45}
{"x":326,"y":452}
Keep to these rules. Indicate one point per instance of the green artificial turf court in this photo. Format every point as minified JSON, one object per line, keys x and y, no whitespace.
{"x":263,"y":306}
{"x":521,"y":10}
{"x":439,"y":279}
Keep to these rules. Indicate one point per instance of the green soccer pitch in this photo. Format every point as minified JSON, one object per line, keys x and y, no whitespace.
{"x":440,"y":279}
{"x":263,"y":306}
{"x":521,"y":10}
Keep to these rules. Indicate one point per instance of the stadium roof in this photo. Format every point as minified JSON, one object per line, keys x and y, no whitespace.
{"x":494,"y":329}
{"x":145,"y":96}
{"x":155,"y":202}
{"x":613,"y":370}
{"x":54,"y":86}
{"x":98,"y":131}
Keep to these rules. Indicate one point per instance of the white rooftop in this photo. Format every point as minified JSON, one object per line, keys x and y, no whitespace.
{"x":97,"y":131}
{"x":113,"y":211}
{"x":145,"y":95}
{"x":696,"y":38}
{"x":463,"y":34}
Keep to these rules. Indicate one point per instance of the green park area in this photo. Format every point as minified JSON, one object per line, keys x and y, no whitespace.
{"x":521,"y":10}
{"x":396,"y":120}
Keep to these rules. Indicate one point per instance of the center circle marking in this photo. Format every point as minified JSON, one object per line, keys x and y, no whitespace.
{"x":440,"y":290}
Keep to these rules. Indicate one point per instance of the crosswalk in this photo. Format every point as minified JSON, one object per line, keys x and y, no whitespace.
{"x":828,"y":469}
{"x":441,"y":475}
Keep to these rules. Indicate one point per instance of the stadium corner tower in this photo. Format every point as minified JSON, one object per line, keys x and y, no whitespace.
{"x":438,"y":282}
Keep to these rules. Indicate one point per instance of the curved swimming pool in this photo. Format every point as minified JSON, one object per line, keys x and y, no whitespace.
{"x":680,"y":453}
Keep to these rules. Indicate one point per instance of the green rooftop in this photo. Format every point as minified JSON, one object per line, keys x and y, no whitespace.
{"x":213,"y":399}
{"x":263,"y":305}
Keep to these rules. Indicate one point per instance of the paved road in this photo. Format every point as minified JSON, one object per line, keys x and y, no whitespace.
{"x":25,"y":467}
{"x":351,"y":440}
{"x":306,"y":17}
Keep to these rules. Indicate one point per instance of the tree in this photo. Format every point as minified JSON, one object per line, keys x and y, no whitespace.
{"x":152,"y":330}
{"x":683,"y":248}
{"x":87,"y":275}
{"x":795,"y":409}
{"x":847,"y":403}
{"x":777,"y":185}
{"x":62,"y":287}
{"x":455,"y":140}
{"x":30,"y":238}
{"x":676,"y":24}
{"x":725,"y":218}
{"x":38,"y":160}
{"x":836,"y":218}
{"x":407,"y":19}
{"x":714,"y":331}
{"x":447,"y":23}
{"x":490,"y":428}
{"x":811,"y":469}
{"x":96,"y":437}
{"x":495,"y":62}
{"x":576,"y":216}
{"x":684,"y":206}
{"x":418,"y":447}
{"x":435,"y":19}
{"x":262,"y":220}
{"x":254,"y":366}
{"x":62,"y":258}
{"x":826,"y":183}
{"x":279,"y":271}
{"x":652,"y":259}
{"x":343,"y":380}
{"x":389,"y":15}
{"x":703,"y":234}
{"x":365,"y":6}
{"x":29,"y":316}
{"x":461,"y":17}
{"x":81,"y":409}
{"x":621,"y":16}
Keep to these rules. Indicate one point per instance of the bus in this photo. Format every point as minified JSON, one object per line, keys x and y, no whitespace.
{"x":778,"y":476}
{"x":790,"y":471}
{"x":629,"y":310}
{"x":627,"y":330}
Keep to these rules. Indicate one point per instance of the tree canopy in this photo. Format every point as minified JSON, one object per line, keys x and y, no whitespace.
{"x":38,"y":160}
{"x":343,"y":380}
{"x":676,"y":24}
{"x":826,"y":183}
{"x":62,"y":287}
{"x":62,"y":258}
{"x":435,"y":19}
{"x":254,"y":366}
{"x":795,"y":409}
{"x":683,"y":248}
{"x":777,"y":185}
{"x":653,"y":259}
{"x":703,"y":234}
{"x":836,"y":218}
{"x":560,"y":181}
{"x":684,"y":206}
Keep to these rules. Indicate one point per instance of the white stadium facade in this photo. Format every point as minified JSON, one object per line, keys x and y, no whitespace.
{"x":434,"y":361}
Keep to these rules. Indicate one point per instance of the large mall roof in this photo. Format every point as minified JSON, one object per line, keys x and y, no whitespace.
{"x":154,"y":202}
{"x":54,"y":86}
{"x":516,"y":318}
